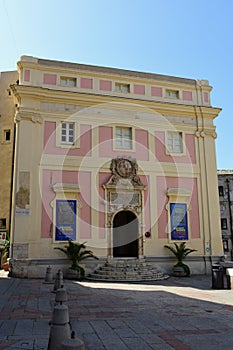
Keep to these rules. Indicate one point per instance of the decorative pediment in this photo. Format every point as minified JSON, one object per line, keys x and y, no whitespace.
{"x":124,"y":190}
{"x":124,"y":173}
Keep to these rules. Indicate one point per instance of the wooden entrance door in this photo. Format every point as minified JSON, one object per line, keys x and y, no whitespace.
{"x":125,"y":235}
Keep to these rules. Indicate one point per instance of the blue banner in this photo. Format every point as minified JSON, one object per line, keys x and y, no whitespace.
{"x":179,"y":221}
{"x":65,"y":220}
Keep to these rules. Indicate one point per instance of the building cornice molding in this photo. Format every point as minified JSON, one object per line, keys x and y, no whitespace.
{"x":92,"y":99}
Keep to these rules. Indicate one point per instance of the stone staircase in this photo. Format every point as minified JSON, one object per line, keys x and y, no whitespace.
{"x":119,"y":270}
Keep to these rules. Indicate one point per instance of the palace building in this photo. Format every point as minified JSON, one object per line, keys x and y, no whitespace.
{"x":122,"y":160}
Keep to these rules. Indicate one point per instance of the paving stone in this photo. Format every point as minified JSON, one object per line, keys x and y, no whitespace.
{"x":23,"y":345}
{"x":41,"y":343}
{"x":7,"y":327}
{"x":116,"y":324}
{"x":109,"y":338}
{"x":137,"y":326}
{"x":41,"y":327}
{"x":163,"y":346}
{"x":125,"y":333}
{"x":136,"y":343}
{"x":152,"y":339}
{"x":93,"y":342}
{"x":81,"y":327}
{"x":24,"y":327}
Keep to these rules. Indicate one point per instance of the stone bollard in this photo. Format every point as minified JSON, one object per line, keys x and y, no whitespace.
{"x":48,"y":275}
{"x":58,"y":280}
{"x":61,"y":296}
{"x":56,"y":283}
{"x":60,"y":277}
{"x":73,"y":343}
{"x":229,"y":274}
{"x":60,"y":327}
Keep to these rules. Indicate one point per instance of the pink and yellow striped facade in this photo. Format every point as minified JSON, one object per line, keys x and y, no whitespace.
{"x":52,"y":93}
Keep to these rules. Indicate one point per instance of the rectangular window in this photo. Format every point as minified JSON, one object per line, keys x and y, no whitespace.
{"x":66,"y":211}
{"x":68,"y":81}
{"x":7,"y":135}
{"x":220,"y":191}
{"x":179,"y":221}
{"x":67,"y":133}
{"x":175,"y":142}
{"x":224,"y":224}
{"x":123,"y":138}
{"x":225,"y":245}
{"x":172,"y":93}
{"x":2,"y":223}
{"x":125,"y":88}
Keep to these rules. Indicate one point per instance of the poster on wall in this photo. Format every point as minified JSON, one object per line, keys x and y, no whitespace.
{"x":65,"y":220}
{"x":179,"y":221}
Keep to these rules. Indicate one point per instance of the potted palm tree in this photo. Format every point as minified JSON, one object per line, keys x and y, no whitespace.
{"x":180,"y":251}
{"x":76,"y":252}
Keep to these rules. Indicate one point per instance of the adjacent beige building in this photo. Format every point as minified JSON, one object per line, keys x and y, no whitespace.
{"x":7,"y":113}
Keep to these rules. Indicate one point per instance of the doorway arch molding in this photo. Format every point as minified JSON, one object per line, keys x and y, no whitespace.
{"x":124,"y":191}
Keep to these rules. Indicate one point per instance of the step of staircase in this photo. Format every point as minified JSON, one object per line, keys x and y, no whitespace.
{"x":119,"y":270}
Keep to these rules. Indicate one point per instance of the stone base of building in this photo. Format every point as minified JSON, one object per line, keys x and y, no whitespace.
{"x":36,"y":268}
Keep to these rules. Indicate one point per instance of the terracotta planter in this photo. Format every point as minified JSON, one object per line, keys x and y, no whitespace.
{"x":72,"y":275}
{"x":5,"y":266}
{"x":179,"y":271}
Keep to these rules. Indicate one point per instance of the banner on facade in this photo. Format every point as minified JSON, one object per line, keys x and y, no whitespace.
{"x":179,"y":221}
{"x":65,"y":220}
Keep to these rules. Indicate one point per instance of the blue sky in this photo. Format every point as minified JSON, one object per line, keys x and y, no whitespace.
{"x":184,"y":38}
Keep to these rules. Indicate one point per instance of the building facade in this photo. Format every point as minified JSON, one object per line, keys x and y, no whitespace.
{"x":7,"y":112}
{"x":121,"y":160}
{"x":225,"y":190}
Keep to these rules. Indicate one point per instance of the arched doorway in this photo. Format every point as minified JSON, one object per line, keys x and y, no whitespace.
{"x":125,"y":235}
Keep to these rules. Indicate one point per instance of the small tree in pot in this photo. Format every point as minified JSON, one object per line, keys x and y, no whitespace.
{"x":180,"y":251}
{"x":77,"y":252}
{"x":5,"y":254}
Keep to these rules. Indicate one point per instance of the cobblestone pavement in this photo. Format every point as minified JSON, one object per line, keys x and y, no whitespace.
{"x":178,"y":313}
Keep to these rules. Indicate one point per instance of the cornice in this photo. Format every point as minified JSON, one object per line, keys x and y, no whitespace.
{"x":88,"y":100}
{"x":29,"y":116}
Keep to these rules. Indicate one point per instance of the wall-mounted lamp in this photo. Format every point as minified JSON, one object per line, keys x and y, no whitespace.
{"x":148,"y":234}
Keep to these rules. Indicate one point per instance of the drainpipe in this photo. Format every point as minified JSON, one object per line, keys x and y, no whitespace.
{"x":230,"y":215}
{"x":12,"y":177}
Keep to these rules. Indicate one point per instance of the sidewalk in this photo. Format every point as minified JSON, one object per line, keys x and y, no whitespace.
{"x":179,"y":313}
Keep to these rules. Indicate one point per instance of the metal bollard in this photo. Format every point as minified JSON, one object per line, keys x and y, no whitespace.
{"x":48,"y":275}
{"x":73,"y":343}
